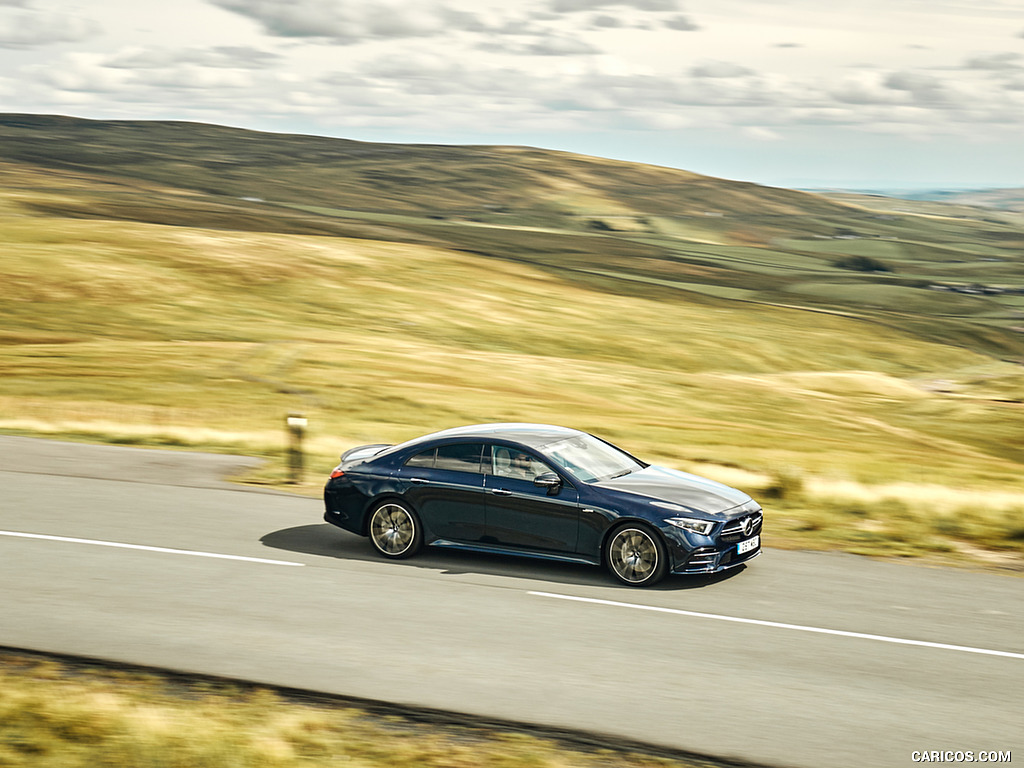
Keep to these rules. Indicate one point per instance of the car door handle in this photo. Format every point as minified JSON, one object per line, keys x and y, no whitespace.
{"x":501,"y":492}
{"x":419,"y":480}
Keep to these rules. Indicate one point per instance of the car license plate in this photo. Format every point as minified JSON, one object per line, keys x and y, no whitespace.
{"x":748,"y":545}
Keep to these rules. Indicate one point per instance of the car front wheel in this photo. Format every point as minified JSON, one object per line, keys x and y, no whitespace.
{"x":636,"y":556}
{"x":394,"y":530}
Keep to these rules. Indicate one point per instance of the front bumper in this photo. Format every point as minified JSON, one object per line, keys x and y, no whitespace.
{"x":711,"y":560}
{"x":723,"y":552}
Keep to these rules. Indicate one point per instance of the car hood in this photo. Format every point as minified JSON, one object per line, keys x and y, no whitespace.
{"x":671,"y":487}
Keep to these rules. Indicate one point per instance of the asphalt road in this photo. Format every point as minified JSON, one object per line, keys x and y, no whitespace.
{"x":800,"y":659}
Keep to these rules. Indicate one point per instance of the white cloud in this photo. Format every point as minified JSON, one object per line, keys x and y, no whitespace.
{"x":354,"y":22}
{"x":669,"y":121}
{"x":78,"y":72}
{"x":560,"y":46}
{"x":191,"y":78}
{"x":573,"y":6}
{"x":345,"y":21}
{"x":720,"y":69}
{"x":922,"y":88}
{"x":862,"y":88}
{"x":759,"y":133}
{"x":230,"y":57}
{"x":999,"y":62}
{"x":681,"y":23}
{"x":30,"y":29}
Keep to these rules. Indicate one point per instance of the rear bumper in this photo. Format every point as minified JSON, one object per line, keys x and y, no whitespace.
{"x":337,"y":512}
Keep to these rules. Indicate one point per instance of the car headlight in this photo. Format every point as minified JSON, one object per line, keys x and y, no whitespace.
{"x":703,"y":527}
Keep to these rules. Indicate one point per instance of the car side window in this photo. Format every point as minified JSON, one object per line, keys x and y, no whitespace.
{"x":509,"y":462}
{"x":424,"y":459}
{"x":461,"y":457}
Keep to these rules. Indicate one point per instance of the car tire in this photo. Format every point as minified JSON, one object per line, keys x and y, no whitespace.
{"x":394,"y":530}
{"x":636,"y":555}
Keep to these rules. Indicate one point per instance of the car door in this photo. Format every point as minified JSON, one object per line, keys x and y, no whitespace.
{"x":445,"y":485}
{"x":522,"y":515}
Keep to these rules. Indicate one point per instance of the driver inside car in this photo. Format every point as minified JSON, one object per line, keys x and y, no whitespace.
{"x":522,"y":467}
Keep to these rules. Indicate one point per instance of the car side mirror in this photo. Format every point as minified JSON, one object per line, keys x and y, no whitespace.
{"x":548,"y":480}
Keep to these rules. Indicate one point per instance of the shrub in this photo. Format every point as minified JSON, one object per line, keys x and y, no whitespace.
{"x":785,"y":484}
{"x":861,"y":264}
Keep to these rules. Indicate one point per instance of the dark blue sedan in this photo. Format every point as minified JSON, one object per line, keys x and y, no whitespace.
{"x":541,"y":491}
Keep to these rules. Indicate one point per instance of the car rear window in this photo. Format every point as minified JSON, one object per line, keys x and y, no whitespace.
{"x":461,"y":457}
{"x":425,"y":459}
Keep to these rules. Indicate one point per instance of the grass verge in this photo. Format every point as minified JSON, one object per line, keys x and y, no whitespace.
{"x":73,"y":714}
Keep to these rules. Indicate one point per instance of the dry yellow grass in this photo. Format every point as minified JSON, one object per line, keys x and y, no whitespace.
{"x":53,"y":715}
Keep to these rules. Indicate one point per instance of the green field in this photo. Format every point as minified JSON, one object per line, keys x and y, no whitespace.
{"x":384,"y":291}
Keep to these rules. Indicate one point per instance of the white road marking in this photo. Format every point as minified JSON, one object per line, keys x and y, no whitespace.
{"x":780,"y":625}
{"x":147,"y":549}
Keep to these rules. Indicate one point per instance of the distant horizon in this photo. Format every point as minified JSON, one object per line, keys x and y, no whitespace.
{"x":884,"y":187}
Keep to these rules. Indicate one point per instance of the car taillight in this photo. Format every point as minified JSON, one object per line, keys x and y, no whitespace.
{"x":336,"y":473}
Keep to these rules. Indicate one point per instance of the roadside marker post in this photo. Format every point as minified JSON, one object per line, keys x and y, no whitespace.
{"x":295,"y":425}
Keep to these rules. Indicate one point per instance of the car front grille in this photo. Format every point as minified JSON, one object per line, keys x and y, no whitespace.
{"x":741,"y":528}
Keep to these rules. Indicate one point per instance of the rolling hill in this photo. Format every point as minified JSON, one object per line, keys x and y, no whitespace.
{"x":402,"y":178}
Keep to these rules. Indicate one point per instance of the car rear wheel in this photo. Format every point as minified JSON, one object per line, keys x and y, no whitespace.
{"x":394,"y":530}
{"x":636,"y":556}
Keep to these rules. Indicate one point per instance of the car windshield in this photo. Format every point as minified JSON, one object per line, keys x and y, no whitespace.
{"x":590,"y":459}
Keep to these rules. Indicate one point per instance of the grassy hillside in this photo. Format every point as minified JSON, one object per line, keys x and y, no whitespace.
{"x":146,"y":302}
{"x":605,"y":220}
{"x":393,"y":178}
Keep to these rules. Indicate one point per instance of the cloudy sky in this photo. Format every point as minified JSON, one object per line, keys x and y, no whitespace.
{"x":863,"y":94}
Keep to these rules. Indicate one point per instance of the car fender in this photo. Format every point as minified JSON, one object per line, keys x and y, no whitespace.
{"x":376,"y":501}
{"x":639,"y":522}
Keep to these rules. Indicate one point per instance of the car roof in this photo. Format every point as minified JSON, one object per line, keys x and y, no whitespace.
{"x":533,"y":435}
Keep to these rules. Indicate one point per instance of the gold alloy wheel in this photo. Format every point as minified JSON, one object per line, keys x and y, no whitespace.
{"x":634,"y":556}
{"x":393,"y":529}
